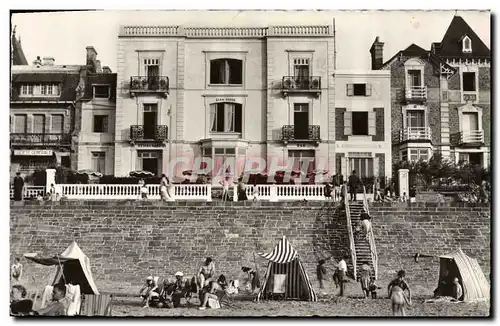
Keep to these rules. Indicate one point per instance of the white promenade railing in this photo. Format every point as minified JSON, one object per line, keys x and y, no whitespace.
{"x":30,"y":191}
{"x":177,"y":192}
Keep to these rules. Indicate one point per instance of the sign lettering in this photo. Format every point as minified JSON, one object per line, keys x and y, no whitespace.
{"x":225,"y":99}
{"x":33,"y":152}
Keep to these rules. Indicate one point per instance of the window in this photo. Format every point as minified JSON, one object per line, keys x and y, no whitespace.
{"x":301,"y":158}
{"x":20,"y":124}
{"x":359,"y":90}
{"x":469,"y":81}
{"x":98,"y":161}
{"x":65,"y":161}
{"x":226,"y":117}
{"x":414,"y":78}
{"x":466,"y":45}
{"x":38,"y":123}
{"x":404,"y":155}
{"x":301,"y":67}
{"x":100,"y":123}
{"x":224,"y":156}
{"x":101,"y":91}
{"x":418,"y":154}
{"x":57,"y":125}
{"x":363,"y":166}
{"x":39,"y":90}
{"x":226,"y":71}
{"x":360,"y":123}
{"x":415,"y":119}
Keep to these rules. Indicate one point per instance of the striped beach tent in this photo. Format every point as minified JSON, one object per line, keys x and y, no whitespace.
{"x":474,"y":283}
{"x":284,"y":260}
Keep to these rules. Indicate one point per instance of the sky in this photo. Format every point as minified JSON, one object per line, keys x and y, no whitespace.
{"x":64,"y":35}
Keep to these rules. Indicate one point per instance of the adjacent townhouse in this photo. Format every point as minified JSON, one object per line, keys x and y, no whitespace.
{"x":440,"y":97}
{"x":95,"y":122}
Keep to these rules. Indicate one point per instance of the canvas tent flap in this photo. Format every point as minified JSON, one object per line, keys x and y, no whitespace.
{"x":75,"y":266}
{"x":283,"y":253}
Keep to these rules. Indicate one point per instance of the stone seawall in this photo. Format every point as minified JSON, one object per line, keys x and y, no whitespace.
{"x":127,"y":240}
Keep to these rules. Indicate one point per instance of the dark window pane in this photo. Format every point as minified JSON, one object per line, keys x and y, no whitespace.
{"x":235,"y":71}
{"x":359,"y":89}
{"x":360,"y":123}
{"x":220,"y":117}
{"x":469,"y":81}
{"x":238,"y":119}
{"x":217,"y":71}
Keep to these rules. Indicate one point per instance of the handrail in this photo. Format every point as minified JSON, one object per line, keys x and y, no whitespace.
{"x":371,"y":238}
{"x":349,"y":229}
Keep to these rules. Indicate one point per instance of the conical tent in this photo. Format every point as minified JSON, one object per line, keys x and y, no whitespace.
{"x":474,"y":283}
{"x":284,"y":260}
{"x":72,"y":265}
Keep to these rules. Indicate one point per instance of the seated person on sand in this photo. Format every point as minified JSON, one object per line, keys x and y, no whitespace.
{"x":209,"y":292}
{"x":19,"y":305}
{"x":148,"y":291}
{"x":206,"y":273}
{"x":179,"y":290}
{"x":58,"y":306}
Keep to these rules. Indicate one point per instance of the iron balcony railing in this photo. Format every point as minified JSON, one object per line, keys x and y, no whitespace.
{"x":149,"y":84}
{"x":155,"y":133}
{"x":308,"y":83}
{"x":471,"y":137}
{"x":40,"y":139}
{"x":416,"y":93}
{"x":415,"y":133}
{"x":290,"y":133}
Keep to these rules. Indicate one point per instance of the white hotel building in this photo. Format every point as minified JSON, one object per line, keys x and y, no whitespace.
{"x":185,"y":92}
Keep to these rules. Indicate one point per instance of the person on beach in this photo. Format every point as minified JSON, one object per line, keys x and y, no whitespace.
{"x":16,"y":271}
{"x":164,"y":188}
{"x":148,"y":291}
{"x":342,"y":271}
{"x":457,"y":289}
{"x":395,"y":291}
{"x":206,"y":272}
{"x":18,"y":187}
{"x":365,"y":274}
{"x":241,"y":190}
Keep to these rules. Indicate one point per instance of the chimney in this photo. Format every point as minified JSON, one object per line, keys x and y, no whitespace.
{"x":106,"y":70}
{"x":48,"y":61}
{"x":377,"y":52}
{"x":91,"y":58}
{"x":37,"y":62}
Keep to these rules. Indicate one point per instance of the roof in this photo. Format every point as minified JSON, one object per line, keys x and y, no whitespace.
{"x":283,"y":252}
{"x":474,"y":282}
{"x":100,"y":79}
{"x":68,"y":83}
{"x":451,"y":45}
{"x":18,"y":57}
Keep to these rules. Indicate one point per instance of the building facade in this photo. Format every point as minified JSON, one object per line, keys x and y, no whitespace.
{"x":233,"y":94}
{"x":95,"y":123}
{"x":440,"y":98}
{"x":42,"y":112}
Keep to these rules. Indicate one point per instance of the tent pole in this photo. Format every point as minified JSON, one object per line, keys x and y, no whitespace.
{"x":61,"y":268}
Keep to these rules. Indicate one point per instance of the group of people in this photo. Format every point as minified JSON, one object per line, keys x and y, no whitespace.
{"x":166,"y":189}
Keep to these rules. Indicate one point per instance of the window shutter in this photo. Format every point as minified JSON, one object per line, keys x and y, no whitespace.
{"x":347,"y":123}
{"x":213,"y":120}
{"x":371,"y":124}
{"x":350,"y":89}
{"x":368,"y":89}
{"x":105,"y":124}
{"x":343,"y":167}
{"x":376,"y":166}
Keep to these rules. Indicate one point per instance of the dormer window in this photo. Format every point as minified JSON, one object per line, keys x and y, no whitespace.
{"x":39,"y":90}
{"x":466,"y":45}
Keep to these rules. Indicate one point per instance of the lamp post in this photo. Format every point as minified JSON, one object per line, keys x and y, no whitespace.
{"x":169,"y":113}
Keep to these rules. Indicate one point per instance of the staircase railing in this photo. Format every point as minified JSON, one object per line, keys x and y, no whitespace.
{"x":351,"y":234}
{"x":371,"y":238}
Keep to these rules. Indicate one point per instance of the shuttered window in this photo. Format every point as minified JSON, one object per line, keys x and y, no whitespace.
{"x":38,"y":123}
{"x":347,"y":123}
{"x":20,"y":123}
{"x":359,"y":89}
{"x":372,"y":124}
{"x":98,"y":162}
{"x":57,"y":125}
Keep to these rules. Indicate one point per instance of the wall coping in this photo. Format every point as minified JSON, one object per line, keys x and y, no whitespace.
{"x":191,"y":203}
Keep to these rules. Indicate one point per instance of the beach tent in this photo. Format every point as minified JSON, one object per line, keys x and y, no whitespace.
{"x":73,"y":266}
{"x":285,"y":266}
{"x":458,"y":264}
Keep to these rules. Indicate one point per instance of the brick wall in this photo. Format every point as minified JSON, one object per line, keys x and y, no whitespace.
{"x":127,"y":240}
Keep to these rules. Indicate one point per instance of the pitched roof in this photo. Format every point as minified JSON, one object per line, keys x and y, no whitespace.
{"x":68,"y":83}
{"x":412,"y":51}
{"x":451,"y":45}
{"x":18,"y":57}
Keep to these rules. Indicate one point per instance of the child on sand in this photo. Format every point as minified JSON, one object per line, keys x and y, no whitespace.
{"x":321,"y":273}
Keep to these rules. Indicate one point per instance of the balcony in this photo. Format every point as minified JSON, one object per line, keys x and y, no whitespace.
{"x":151,"y":135}
{"x":289,"y":133}
{"x":472,"y":138}
{"x":292,"y":84}
{"x":416,"y":134}
{"x":145,"y":84}
{"x":40,"y":139}
{"x":416,"y":93}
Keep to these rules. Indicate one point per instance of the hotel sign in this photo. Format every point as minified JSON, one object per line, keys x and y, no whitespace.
{"x":225,"y":99}
{"x":33,"y":152}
